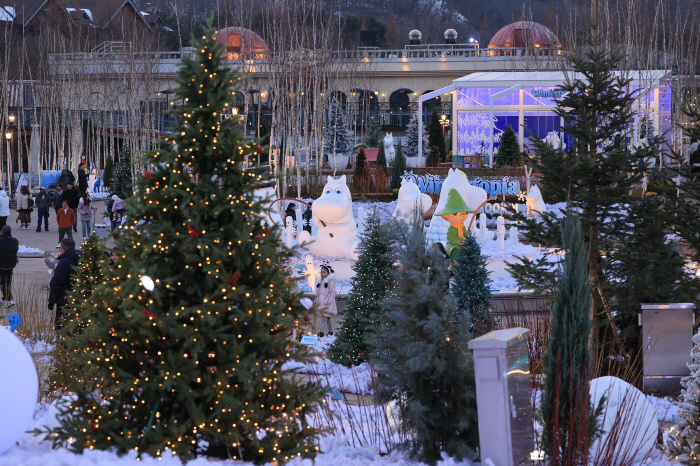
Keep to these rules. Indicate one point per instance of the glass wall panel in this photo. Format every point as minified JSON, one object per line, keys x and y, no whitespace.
{"x":541,"y":95}
{"x":544,"y":125}
{"x":476,"y":95}
{"x":473,"y":136}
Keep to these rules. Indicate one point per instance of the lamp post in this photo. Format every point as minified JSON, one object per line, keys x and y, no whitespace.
{"x":444,"y":121}
{"x":8,"y":138}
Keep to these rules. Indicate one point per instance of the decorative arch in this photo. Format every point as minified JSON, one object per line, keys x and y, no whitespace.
{"x":434,"y":104}
{"x":400,"y":99}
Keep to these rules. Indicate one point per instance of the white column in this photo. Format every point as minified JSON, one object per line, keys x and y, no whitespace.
{"x":420,"y":131}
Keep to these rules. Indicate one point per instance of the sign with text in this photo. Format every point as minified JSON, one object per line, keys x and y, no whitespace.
{"x":432,"y":184}
{"x":310,"y":340}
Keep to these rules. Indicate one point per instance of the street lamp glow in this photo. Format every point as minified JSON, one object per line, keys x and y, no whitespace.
{"x":443,"y":117}
{"x":11,"y":117}
{"x":234,"y":110}
{"x":471,"y":40}
{"x":8,"y":135}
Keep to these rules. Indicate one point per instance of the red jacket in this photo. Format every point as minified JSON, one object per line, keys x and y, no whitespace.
{"x":65,"y":219}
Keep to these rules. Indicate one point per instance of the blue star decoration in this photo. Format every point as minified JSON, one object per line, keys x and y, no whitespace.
{"x":14,"y":320}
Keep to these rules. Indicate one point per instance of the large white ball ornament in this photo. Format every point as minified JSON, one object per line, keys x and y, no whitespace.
{"x":19,"y":389}
{"x":638,"y":419}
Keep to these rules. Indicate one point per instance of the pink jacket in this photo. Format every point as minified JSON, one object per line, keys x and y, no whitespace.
{"x":85,"y":211}
{"x":325,"y":297}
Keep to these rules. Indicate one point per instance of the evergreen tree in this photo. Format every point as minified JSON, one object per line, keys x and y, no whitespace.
{"x":602,"y":168}
{"x":398,"y":168}
{"x":683,"y":442}
{"x":68,"y":375}
{"x":108,"y":173}
{"x":471,"y":286}
{"x":570,"y":422}
{"x":190,"y":331}
{"x":373,"y":136}
{"x":411,"y":149}
{"x":338,"y":138}
{"x":381,"y":158}
{"x":554,"y":165}
{"x":422,"y":354}
{"x":436,"y":137}
{"x":121,"y":182}
{"x":360,"y":164}
{"x":508,"y":148}
{"x":370,"y":285}
{"x":433,"y":159}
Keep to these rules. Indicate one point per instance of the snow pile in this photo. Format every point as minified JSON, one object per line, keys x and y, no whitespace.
{"x":97,"y":196}
{"x":491,"y":250}
{"x":664,"y":408}
{"x":37,"y":346}
{"x":26,"y":250}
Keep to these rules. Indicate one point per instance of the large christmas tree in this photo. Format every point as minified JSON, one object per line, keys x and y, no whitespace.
{"x":411,"y":146}
{"x":471,"y":286}
{"x":121,"y":181}
{"x":683,"y":442}
{"x":421,"y":351}
{"x":69,"y":375}
{"x":338,"y":138}
{"x":190,"y":333}
{"x":372,"y":281}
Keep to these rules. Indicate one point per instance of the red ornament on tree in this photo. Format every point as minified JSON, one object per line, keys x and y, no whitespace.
{"x":115,"y":236}
{"x":193,"y":233}
{"x":233,"y":281}
{"x":147,"y":174}
{"x":149,"y":314}
{"x":91,"y":343}
{"x":261,"y":149}
{"x":93,"y":424}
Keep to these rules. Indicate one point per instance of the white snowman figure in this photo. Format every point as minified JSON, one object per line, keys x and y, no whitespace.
{"x":472,"y":195}
{"x":535,"y":203}
{"x":337,"y":232}
{"x":92,"y":179}
{"x":410,"y":197}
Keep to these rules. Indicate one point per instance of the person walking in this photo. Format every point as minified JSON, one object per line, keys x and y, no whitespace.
{"x":24,"y":207}
{"x":71,"y":195}
{"x":65,"y":218}
{"x":325,"y":298}
{"x":8,"y":261}
{"x":43,"y":203}
{"x":65,"y":178}
{"x":85,"y":212}
{"x":4,"y":207}
{"x":57,"y":196}
{"x":62,"y":279}
{"x":306,"y":218}
{"x":82,"y":179}
{"x":116,"y":211}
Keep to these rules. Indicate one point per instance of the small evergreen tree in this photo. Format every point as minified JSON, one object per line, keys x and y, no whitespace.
{"x":436,"y":137}
{"x":398,"y":168}
{"x":433,"y":157}
{"x":471,"y":286}
{"x":68,"y":375}
{"x":411,"y":149}
{"x":381,"y":158}
{"x":508,"y":148}
{"x":373,"y":136}
{"x":190,"y":334}
{"x":108,"y":173}
{"x":372,"y":282}
{"x":361,"y":164}
{"x":121,"y":182}
{"x":338,"y":138}
{"x":422,"y":354}
{"x":683,"y":442}
{"x":570,"y":422}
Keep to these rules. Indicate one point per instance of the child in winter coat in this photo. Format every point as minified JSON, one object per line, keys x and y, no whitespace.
{"x":85,"y":213}
{"x":116,"y":211}
{"x":325,"y":299}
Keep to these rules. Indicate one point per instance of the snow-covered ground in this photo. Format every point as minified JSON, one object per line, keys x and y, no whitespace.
{"x":25,"y":250}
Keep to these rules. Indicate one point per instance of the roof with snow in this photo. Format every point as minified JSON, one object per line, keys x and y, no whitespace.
{"x":546,"y":78}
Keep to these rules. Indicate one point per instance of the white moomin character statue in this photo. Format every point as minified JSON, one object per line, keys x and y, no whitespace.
{"x":472,"y":195}
{"x":389,"y":151}
{"x":337,"y":231}
{"x":410,"y":197}
{"x":535,"y":203}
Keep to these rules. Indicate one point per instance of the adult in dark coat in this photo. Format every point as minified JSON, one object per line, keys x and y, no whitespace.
{"x":62,"y":279}
{"x":291,"y":211}
{"x":57,"y":195}
{"x":8,"y":261}
{"x":73,"y":197}
{"x":306,"y":217}
{"x":65,"y":178}
{"x":82,"y":180}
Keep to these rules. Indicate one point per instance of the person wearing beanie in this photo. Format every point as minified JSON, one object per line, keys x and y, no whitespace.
{"x":325,"y":299}
{"x":456,"y":211}
{"x":43,"y":204}
{"x":8,"y":261}
{"x":116,"y":211}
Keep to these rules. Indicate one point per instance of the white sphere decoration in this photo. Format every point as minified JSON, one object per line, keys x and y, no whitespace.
{"x":19,"y":389}
{"x":639,"y":426}
{"x":147,"y":282}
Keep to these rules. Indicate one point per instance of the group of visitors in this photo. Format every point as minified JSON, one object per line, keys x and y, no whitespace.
{"x":291,"y":211}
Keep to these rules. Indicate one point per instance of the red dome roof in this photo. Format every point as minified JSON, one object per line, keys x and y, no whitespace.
{"x":238,"y":39}
{"x":524,"y":34}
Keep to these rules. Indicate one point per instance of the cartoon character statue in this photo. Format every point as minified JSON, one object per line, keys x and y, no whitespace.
{"x":456,"y":212}
{"x":410,"y":198}
{"x":337,"y":232}
{"x":535,"y":203}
